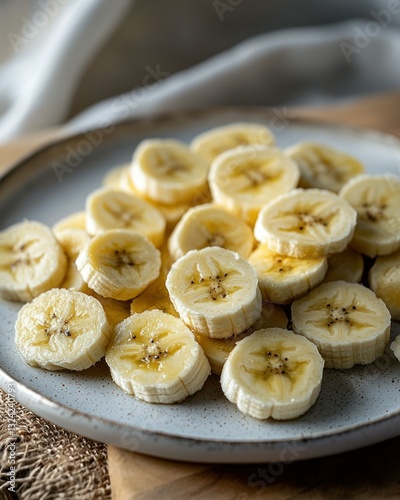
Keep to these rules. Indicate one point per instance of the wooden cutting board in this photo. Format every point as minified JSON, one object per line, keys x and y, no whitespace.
{"x":369,"y":473}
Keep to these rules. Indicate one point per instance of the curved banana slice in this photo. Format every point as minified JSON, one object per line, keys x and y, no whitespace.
{"x":346,"y":321}
{"x":31,"y":261}
{"x":76,"y":220}
{"x":210,"y":225}
{"x":111,"y":209}
{"x":306,"y":223}
{"x":345,"y":266}
{"x":273,"y":373}
{"x":323,"y":167}
{"x":244,"y":179}
{"x":218,"y":350}
{"x":377,"y":202}
{"x":73,"y":241}
{"x":168,"y":172}
{"x":156,"y":357}
{"x":283,"y":279}
{"x":395,"y":347}
{"x":119,"y":264}
{"x":62,"y":329}
{"x":213,"y":142}
{"x":215,"y":292}
{"x":384,"y":279}
{"x":113,"y":178}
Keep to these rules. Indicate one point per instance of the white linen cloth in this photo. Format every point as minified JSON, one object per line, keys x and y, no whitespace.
{"x":40,"y":69}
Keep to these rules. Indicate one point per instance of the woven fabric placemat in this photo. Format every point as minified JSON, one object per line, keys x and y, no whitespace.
{"x":50,"y":463}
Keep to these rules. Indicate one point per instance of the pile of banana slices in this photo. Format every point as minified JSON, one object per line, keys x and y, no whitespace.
{"x":192,"y":260}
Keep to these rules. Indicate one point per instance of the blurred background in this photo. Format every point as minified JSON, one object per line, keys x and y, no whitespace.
{"x":58,"y":58}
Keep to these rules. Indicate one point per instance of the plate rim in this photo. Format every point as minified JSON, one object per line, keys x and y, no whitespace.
{"x":139,"y":123}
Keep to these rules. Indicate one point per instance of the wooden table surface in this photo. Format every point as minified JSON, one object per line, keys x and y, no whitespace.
{"x":368,"y":473}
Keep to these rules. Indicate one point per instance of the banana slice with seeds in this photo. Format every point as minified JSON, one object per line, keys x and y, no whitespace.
{"x":76,"y":220}
{"x":283,"y":279}
{"x":119,"y":264}
{"x":384,"y":280}
{"x":377,"y":202}
{"x":213,"y":142}
{"x":244,"y":179}
{"x":31,"y":261}
{"x":215,"y":292}
{"x":62,"y":329}
{"x":111,"y":209}
{"x":323,"y":167}
{"x":348,"y":323}
{"x":218,"y":350}
{"x":210,"y":225}
{"x":306,"y":223}
{"x":73,"y":241}
{"x":273,"y":373}
{"x":168,"y":172}
{"x":156,"y":357}
{"x":345,"y":266}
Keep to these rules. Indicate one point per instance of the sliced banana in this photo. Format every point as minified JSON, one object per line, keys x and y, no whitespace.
{"x":273,"y":373}
{"x":215,"y":292}
{"x":73,"y":241}
{"x":377,"y":202}
{"x":168,"y":172}
{"x":31,"y":261}
{"x":76,"y":220}
{"x":345,"y":266}
{"x":111,"y":209}
{"x":62,"y":329}
{"x":218,"y":350}
{"x":395,"y":347}
{"x":119,"y":264}
{"x":306,"y":223}
{"x":210,"y":225}
{"x":244,"y":179}
{"x":283,"y":279}
{"x":156,"y":357}
{"x":384,"y":279}
{"x":323,"y":167}
{"x":348,"y":323}
{"x":213,"y":142}
{"x":113,"y":178}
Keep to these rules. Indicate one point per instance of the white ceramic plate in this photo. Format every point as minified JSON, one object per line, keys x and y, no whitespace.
{"x":356,"y":407}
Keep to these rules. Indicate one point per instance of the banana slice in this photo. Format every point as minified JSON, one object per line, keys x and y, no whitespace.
{"x":273,"y":373}
{"x":345,"y":266}
{"x":215,"y":292}
{"x":113,"y":178}
{"x":119,"y":264}
{"x":76,"y":220}
{"x":283,"y":279}
{"x":306,"y":223}
{"x":218,"y":350}
{"x":244,"y":179}
{"x":112,"y":209}
{"x":323,"y":167}
{"x":31,"y":261}
{"x":377,"y":202}
{"x":213,"y":142}
{"x":73,"y":241}
{"x":346,"y":321}
{"x":156,"y":357}
{"x":395,"y":347}
{"x":62,"y":329}
{"x":168,"y":172}
{"x":210,"y":225}
{"x":384,"y":279}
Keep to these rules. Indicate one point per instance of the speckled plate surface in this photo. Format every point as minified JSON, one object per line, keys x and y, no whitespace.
{"x":355,"y":408}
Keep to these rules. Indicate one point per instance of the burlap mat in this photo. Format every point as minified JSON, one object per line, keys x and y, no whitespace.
{"x":50,"y":463}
